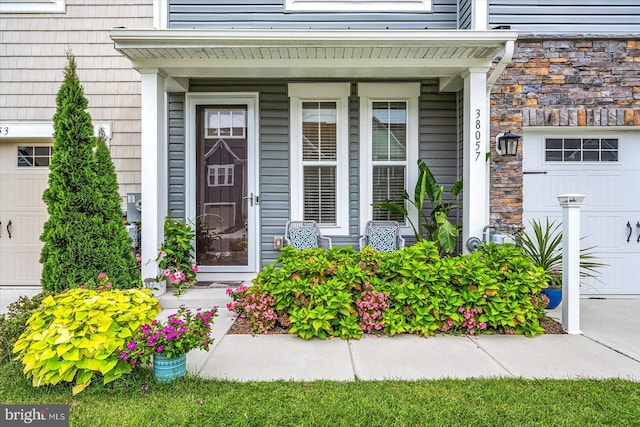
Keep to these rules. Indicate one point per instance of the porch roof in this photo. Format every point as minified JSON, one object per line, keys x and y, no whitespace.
{"x":188,"y":53}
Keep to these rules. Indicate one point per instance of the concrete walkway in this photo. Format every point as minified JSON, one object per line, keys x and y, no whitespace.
{"x":608,"y":348}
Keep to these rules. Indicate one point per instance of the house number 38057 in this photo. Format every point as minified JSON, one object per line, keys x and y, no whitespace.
{"x":478,"y":133}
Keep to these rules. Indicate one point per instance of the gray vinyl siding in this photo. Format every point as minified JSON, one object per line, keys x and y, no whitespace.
{"x":550,"y":16}
{"x":176,"y":155}
{"x":439,"y":138}
{"x":464,"y":14}
{"x":438,"y":147}
{"x":253,"y":14}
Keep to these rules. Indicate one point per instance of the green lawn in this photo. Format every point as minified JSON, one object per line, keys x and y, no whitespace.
{"x":137,"y":400}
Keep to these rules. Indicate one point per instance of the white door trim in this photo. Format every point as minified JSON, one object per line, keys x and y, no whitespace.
{"x":251,"y":100}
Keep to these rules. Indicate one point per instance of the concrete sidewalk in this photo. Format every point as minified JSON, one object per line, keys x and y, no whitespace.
{"x":608,"y":348}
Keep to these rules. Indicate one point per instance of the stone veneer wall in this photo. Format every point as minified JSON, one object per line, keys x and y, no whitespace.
{"x":571,"y":81}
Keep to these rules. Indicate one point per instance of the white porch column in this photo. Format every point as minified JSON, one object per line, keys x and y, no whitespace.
{"x":475,"y":192}
{"x":571,"y":261}
{"x":154,"y":168}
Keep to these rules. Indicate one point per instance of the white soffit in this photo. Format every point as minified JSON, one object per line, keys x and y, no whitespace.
{"x":309,"y":53}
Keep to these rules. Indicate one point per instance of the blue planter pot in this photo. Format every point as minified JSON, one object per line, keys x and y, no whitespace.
{"x":554,"y":295}
{"x":168,"y":369}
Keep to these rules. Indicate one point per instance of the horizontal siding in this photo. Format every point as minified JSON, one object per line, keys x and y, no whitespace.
{"x":439,"y":147}
{"x":270,"y":14}
{"x":547,"y":16}
{"x":177,"y":155}
{"x":438,"y":127}
{"x":33,"y":47}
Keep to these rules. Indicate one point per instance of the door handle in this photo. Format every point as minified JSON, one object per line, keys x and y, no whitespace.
{"x":250,"y":198}
{"x":630,"y":231}
{"x":638,"y":231}
{"x":9,"y":228}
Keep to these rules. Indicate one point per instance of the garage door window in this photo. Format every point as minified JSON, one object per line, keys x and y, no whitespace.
{"x":581,"y":150}
{"x":34,"y":156}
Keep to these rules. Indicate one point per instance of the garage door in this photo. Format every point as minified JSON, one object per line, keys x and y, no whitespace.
{"x":23,"y":178}
{"x":606,"y":168}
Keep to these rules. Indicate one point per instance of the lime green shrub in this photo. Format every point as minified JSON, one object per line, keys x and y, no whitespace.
{"x":77,"y":335}
{"x":13,"y":322}
{"x":343,"y":293}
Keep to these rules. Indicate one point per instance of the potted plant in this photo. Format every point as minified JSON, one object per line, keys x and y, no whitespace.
{"x":176,"y":255}
{"x":167,"y":343}
{"x":544,"y":247}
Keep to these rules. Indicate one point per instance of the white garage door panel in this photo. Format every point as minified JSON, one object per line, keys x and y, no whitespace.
{"x":610,"y":281}
{"x":21,"y":203}
{"x":612,"y":200}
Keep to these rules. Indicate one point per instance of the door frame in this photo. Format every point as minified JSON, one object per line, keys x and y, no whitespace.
{"x":251,"y":100}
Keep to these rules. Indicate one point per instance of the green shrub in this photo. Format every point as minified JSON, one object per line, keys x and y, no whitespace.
{"x":341,"y":293}
{"x":14,"y":322}
{"x":84,"y":231}
{"x":79,"y":334}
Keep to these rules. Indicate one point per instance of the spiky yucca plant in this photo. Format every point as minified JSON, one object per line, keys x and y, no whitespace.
{"x":544,"y":247}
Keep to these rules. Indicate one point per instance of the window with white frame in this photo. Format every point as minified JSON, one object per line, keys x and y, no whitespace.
{"x":388,"y":146}
{"x":319,"y":154}
{"x":32,"y":6}
{"x":220,"y":175}
{"x":581,"y":149}
{"x":358,"y":6}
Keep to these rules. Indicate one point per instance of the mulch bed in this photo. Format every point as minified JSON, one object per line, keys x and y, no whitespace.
{"x":243,"y":326}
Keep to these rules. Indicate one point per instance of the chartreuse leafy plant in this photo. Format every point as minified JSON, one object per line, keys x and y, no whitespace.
{"x":13,"y":322}
{"x":78,"y":335}
{"x":343,"y":293}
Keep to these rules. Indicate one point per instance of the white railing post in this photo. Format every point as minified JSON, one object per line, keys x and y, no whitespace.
{"x":571,"y":204}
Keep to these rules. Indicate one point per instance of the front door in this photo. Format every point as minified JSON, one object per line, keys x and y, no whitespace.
{"x":226,"y":197}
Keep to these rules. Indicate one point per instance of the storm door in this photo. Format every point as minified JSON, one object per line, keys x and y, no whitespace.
{"x":225,"y":199}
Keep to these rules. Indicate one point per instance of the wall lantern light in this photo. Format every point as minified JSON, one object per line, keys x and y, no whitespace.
{"x":507,"y":143}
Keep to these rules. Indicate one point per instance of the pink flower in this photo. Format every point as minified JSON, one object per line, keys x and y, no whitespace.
{"x":159,"y":349}
{"x":163,"y":254}
{"x":194,"y":268}
{"x":166,"y":273}
{"x":102,"y":275}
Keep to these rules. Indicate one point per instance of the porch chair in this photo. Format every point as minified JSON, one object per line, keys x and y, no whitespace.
{"x":305,"y":235}
{"x":382,"y":236}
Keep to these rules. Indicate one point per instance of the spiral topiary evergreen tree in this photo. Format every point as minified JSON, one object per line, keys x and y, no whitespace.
{"x":85,"y":233}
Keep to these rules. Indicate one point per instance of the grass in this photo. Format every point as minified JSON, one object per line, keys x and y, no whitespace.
{"x":137,"y":400}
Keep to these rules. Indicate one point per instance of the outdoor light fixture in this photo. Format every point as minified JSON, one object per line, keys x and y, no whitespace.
{"x":507,"y":143}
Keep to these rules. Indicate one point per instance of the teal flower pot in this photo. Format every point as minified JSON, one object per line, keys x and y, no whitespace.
{"x":168,"y":369}
{"x":554,"y":295}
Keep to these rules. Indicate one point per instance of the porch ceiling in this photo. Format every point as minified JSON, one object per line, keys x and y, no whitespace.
{"x":310,"y":53}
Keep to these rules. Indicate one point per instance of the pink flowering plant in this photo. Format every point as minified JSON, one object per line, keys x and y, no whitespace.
{"x":175,"y":257}
{"x":370,"y":307}
{"x":179,"y":334}
{"x":258,"y":307}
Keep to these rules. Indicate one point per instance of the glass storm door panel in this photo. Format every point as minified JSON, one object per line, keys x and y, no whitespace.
{"x":222,"y":182}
